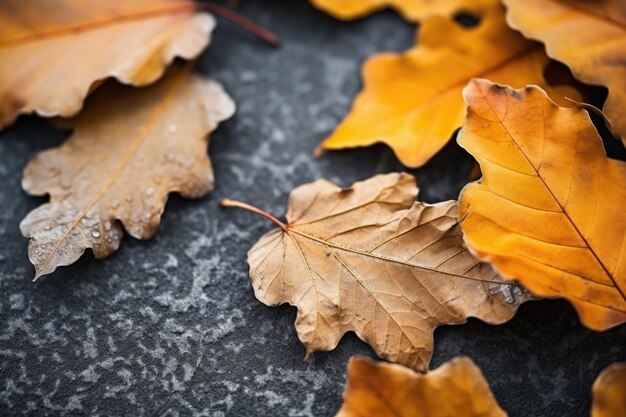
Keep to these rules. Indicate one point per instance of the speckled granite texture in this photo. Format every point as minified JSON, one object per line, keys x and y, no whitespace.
{"x":170,"y":327}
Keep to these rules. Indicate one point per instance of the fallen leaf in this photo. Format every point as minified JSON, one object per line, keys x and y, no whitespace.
{"x":371,"y":260}
{"x":412,"y":101}
{"x":588,"y":36}
{"x":549,"y":210}
{"x":130,"y":149}
{"x":455,"y":389}
{"x":411,"y":10}
{"x":609,"y":392}
{"x":55,"y":51}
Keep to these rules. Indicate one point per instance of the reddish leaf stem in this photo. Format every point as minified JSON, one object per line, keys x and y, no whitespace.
{"x":226,"y":202}
{"x":243,"y":22}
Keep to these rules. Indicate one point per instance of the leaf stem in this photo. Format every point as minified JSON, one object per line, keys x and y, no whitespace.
{"x":244,"y":23}
{"x":226,"y":202}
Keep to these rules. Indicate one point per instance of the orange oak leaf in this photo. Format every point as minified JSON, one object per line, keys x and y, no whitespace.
{"x":455,"y":389}
{"x":372,"y":260}
{"x":412,"y":101}
{"x":609,"y":392}
{"x":549,"y":210}
{"x":53,"y":52}
{"x":130,"y":149}
{"x":411,"y":10}
{"x":588,"y":36}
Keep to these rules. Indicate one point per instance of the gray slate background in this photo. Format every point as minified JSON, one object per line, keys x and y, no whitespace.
{"x":170,"y":326}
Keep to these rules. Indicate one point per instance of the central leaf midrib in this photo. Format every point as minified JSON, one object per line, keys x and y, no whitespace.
{"x":384,"y":258}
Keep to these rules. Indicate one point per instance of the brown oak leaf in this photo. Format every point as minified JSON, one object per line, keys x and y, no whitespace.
{"x":129,"y":150}
{"x":371,"y":260}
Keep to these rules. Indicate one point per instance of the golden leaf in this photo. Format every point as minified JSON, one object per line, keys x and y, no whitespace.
{"x":371,"y":260}
{"x":609,"y":392}
{"x":412,"y":101}
{"x":549,"y":210}
{"x":53,"y":52}
{"x":130,"y":149}
{"x":455,"y":389}
{"x":411,"y":10}
{"x":588,"y":36}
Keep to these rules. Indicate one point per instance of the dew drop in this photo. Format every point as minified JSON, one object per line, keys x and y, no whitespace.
{"x":107,"y":226}
{"x":95,"y":233}
{"x":150,"y":191}
{"x":172,"y":128}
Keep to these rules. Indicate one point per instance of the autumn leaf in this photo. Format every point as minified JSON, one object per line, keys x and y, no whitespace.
{"x":412,"y":101}
{"x":609,"y":392}
{"x":455,"y":389}
{"x":130,"y":149}
{"x":371,"y":260}
{"x":55,"y":51}
{"x":549,"y":210}
{"x":588,"y":36}
{"x":411,"y":10}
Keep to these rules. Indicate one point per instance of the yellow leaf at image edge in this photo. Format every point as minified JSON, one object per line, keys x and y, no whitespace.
{"x":455,"y":389}
{"x":587,"y":36}
{"x":549,"y":209}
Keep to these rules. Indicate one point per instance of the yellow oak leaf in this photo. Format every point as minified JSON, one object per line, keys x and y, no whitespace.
{"x":549,"y":210}
{"x":455,"y":389}
{"x":411,"y":10}
{"x":412,"y":101}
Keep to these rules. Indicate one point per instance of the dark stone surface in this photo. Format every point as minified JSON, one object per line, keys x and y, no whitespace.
{"x":170,"y":327}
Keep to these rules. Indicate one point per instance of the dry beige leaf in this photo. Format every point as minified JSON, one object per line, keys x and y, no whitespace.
{"x":130,"y":149}
{"x":455,"y":389}
{"x":371,"y":260}
{"x":54,"y":51}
